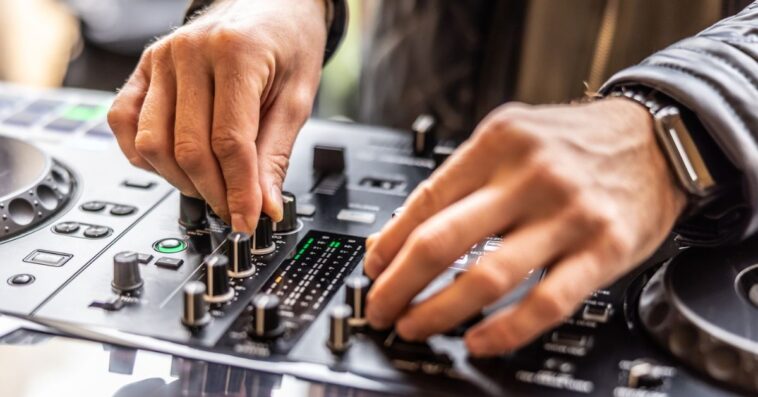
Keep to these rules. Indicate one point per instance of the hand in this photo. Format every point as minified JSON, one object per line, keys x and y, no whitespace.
{"x":215,"y":106}
{"x":582,"y":190}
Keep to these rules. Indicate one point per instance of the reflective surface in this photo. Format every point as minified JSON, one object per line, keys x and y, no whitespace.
{"x":37,"y":364}
{"x":21,"y":165}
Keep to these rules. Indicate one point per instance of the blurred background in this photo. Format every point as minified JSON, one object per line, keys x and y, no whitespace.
{"x":96,"y":44}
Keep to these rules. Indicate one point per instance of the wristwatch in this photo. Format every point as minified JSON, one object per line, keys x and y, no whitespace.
{"x":690,"y":163}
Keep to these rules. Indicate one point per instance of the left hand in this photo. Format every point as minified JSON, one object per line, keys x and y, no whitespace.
{"x":583,"y":190}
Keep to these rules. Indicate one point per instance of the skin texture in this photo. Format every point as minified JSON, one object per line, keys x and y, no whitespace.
{"x":581,"y":189}
{"x":215,"y":106}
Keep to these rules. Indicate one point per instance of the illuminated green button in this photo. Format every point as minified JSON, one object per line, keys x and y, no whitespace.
{"x":170,"y":245}
{"x":85,"y":112}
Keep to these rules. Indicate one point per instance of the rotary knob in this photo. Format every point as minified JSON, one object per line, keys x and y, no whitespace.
{"x":192,"y":213}
{"x":263,"y":239}
{"x":217,"y":279}
{"x":339,"y":328}
{"x":266,"y":320}
{"x":356,"y":289}
{"x":195,"y":309}
{"x":126,"y":272}
{"x":239,"y":253}
{"x":289,"y":214}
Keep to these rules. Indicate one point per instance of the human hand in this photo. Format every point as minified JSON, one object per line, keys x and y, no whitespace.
{"x":583,"y":190}
{"x":215,"y":106}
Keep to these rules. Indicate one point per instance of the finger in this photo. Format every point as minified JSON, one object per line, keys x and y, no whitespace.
{"x":192,"y":129}
{"x":155,"y":132}
{"x":123,"y":117}
{"x":546,"y":305}
{"x":531,"y":247}
{"x":236,"y":109}
{"x":278,"y":131}
{"x":434,"y":245}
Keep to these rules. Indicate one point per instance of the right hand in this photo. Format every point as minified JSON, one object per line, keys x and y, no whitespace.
{"x":215,"y":106}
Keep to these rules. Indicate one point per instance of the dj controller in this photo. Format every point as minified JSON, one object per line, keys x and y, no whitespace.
{"x":102,"y":257}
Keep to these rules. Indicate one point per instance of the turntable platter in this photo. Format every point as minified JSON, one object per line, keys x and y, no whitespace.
{"x":21,"y":166}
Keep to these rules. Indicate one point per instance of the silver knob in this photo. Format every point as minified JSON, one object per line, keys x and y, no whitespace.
{"x":339,"y":328}
{"x":126,"y":272}
{"x":356,"y":290}
{"x":195,"y":309}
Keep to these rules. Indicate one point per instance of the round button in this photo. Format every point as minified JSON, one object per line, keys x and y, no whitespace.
{"x":21,"y":279}
{"x":96,"y":231}
{"x":170,"y":245}
{"x":93,"y":206}
{"x":66,"y":227}
{"x":122,"y":210}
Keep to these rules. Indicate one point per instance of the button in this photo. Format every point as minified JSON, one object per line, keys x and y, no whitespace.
{"x":169,"y":263}
{"x":43,"y":106}
{"x":64,"y":125}
{"x":84,"y":112}
{"x":599,"y":312}
{"x":21,"y":279}
{"x":170,"y":245}
{"x":23,"y":119}
{"x":356,"y":216}
{"x":100,"y":131}
{"x":123,"y":210}
{"x":66,"y":227}
{"x":97,"y":231}
{"x":304,"y":209}
{"x":137,"y":184}
{"x":144,"y":258}
{"x":571,"y":339}
{"x":47,"y":258}
{"x":93,"y":206}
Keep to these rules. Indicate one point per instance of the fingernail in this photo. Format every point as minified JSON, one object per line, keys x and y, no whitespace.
{"x":241,"y":224}
{"x":370,"y":240}
{"x":371,"y":263}
{"x":277,"y":203}
{"x":376,"y":319}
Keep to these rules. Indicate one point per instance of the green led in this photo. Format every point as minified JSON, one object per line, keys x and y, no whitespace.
{"x":297,"y":256}
{"x":170,"y":246}
{"x":85,"y":112}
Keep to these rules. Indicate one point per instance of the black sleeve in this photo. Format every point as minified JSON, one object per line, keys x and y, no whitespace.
{"x":715,"y":76}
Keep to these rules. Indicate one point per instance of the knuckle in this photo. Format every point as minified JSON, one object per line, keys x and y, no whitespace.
{"x":490,"y":282}
{"x":119,"y":116}
{"x":425,"y":195}
{"x":560,"y":186}
{"x":188,"y":154}
{"x":146,"y":145}
{"x":277,"y":165}
{"x":184,"y":43}
{"x":428,"y":244}
{"x":226,"y":143}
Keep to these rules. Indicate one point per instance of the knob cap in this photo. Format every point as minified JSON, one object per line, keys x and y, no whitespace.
{"x":239,"y":253}
{"x":192,"y":213}
{"x":266,"y":320}
{"x":195,"y":309}
{"x":356,"y":289}
{"x":289,"y":219}
{"x":126,"y":272}
{"x":339,"y":328}
{"x":643,"y":374}
{"x":263,"y":239}
{"x":217,"y":279}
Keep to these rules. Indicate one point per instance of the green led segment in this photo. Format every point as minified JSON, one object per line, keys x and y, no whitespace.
{"x":305,"y":247}
{"x":85,"y":112}
{"x":170,"y":246}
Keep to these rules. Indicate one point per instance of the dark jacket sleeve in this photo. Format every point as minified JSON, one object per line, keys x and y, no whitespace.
{"x":715,"y":75}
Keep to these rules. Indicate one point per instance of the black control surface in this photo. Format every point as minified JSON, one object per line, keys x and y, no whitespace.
{"x":126,"y":260}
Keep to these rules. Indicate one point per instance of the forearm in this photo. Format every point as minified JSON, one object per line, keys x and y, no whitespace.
{"x":715,"y":75}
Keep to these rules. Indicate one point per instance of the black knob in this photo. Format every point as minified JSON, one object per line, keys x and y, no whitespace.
{"x":217,"y":279}
{"x":239,"y":253}
{"x":356,"y":289}
{"x":195,"y":309}
{"x":126,"y":272}
{"x":266,"y":320}
{"x":192,"y":213}
{"x":263,"y":239}
{"x":645,"y":375}
{"x":289,"y":219}
{"x":339,"y":328}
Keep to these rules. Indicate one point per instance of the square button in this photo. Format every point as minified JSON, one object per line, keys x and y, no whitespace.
{"x":346,"y":215}
{"x":169,"y":263}
{"x":138,"y":184}
{"x":64,"y":125}
{"x":23,"y":119}
{"x":47,"y":258}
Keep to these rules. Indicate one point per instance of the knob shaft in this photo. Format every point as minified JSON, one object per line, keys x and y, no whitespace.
{"x":263,"y":239}
{"x":289,"y":219}
{"x":126,"y":272}
{"x":192,"y":213}
{"x":339,"y":328}
{"x":239,"y":253}
{"x":266,"y":320}
{"x":217,"y":279}
{"x":356,"y":289}
{"x":195,"y":308}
